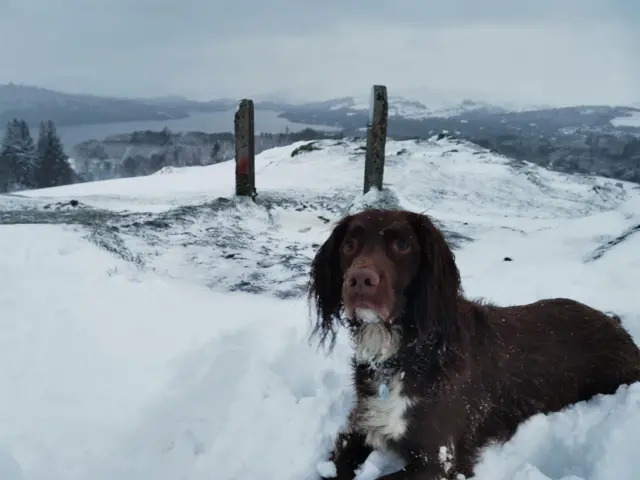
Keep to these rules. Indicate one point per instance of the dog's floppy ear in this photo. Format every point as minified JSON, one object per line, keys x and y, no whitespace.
{"x":434,"y":294}
{"x":325,"y":284}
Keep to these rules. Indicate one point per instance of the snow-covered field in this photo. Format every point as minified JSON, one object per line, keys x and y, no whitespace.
{"x":156,"y":329}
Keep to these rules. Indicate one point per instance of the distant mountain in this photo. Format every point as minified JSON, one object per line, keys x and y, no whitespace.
{"x":35,"y":104}
{"x":597,"y":139}
{"x":414,"y":103}
{"x":407,"y":108}
{"x":180,"y":102}
{"x":491,"y":123}
{"x":411,"y":118}
{"x":586,"y":138}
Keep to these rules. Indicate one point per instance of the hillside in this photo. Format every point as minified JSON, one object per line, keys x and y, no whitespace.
{"x":159,"y":332}
{"x":410,"y":109}
{"x":599,"y":140}
{"x":35,"y":104}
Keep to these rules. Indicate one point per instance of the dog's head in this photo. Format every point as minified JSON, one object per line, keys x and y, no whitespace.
{"x":386,"y":267}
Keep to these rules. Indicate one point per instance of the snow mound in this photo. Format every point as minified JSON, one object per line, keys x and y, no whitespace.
{"x":595,"y":440}
{"x":160,"y":331}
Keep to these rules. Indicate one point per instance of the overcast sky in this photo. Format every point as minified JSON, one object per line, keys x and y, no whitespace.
{"x":538,"y":51}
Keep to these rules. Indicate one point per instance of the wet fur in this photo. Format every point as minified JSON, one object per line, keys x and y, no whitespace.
{"x":459,"y":373}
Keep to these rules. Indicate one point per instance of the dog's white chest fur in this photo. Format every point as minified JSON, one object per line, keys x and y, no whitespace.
{"x":383,"y":418}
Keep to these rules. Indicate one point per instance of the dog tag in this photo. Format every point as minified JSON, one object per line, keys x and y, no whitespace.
{"x":383,"y":391}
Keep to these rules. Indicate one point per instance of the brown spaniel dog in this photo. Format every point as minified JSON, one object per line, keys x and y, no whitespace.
{"x":438,"y":376}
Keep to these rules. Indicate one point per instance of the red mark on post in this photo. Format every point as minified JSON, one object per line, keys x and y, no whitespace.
{"x":242,"y":166}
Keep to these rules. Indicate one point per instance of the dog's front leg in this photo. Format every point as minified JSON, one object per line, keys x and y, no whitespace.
{"x":349,"y":453}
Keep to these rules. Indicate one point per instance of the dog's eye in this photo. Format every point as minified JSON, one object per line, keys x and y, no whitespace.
{"x":401,"y":246}
{"x":349,"y":246}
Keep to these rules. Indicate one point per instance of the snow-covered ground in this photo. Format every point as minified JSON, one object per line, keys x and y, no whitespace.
{"x":632,"y":120}
{"x":155,"y":328}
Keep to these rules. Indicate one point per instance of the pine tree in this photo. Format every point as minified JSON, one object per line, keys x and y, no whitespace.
{"x":17,"y":157}
{"x":7,"y":178}
{"x":7,"y":160}
{"x":26,"y":164}
{"x":53,"y":163}
{"x":215,"y":153}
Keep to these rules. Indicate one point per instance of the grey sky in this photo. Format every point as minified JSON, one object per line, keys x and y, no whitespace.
{"x":544,"y":51}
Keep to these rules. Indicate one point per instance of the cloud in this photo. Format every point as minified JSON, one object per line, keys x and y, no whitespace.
{"x":544,"y":51}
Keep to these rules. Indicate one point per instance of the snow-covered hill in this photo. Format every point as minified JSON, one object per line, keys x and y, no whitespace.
{"x":631,"y":120}
{"x":36,"y":104}
{"x":153,"y":327}
{"x":434,"y":106}
{"x":412,"y":109}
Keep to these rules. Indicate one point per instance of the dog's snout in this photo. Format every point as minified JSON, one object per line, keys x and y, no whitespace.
{"x":363,"y":281}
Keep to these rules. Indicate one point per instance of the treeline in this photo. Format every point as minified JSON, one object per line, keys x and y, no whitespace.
{"x":25,"y":164}
{"x":145,"y":152}
{"x":28,"y":164}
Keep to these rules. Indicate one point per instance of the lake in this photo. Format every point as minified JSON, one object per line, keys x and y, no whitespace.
{"x":212,"y":122}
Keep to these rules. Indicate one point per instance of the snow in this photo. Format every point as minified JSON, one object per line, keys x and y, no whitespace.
{"x":434,"y":104}
{"x":413,"y":109}
{"x":327,"y":469}
{"x":631,"y":120}
{"x":178,"y":349}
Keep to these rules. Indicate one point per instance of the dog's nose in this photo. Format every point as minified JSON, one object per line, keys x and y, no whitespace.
{"x":363,"y":281}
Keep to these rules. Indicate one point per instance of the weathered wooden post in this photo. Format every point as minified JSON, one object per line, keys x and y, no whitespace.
{"x":376,"y":138}
{"x":245,"y":149}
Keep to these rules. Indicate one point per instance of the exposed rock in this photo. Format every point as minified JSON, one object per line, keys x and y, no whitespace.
{"x":307,"y":147}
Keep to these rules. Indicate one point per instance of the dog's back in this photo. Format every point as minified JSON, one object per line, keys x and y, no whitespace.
{"x":555,"y":353}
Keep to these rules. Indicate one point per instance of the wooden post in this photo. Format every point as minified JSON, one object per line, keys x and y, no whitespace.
{"x":376,"y":138}
{"x":245,"y":149}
